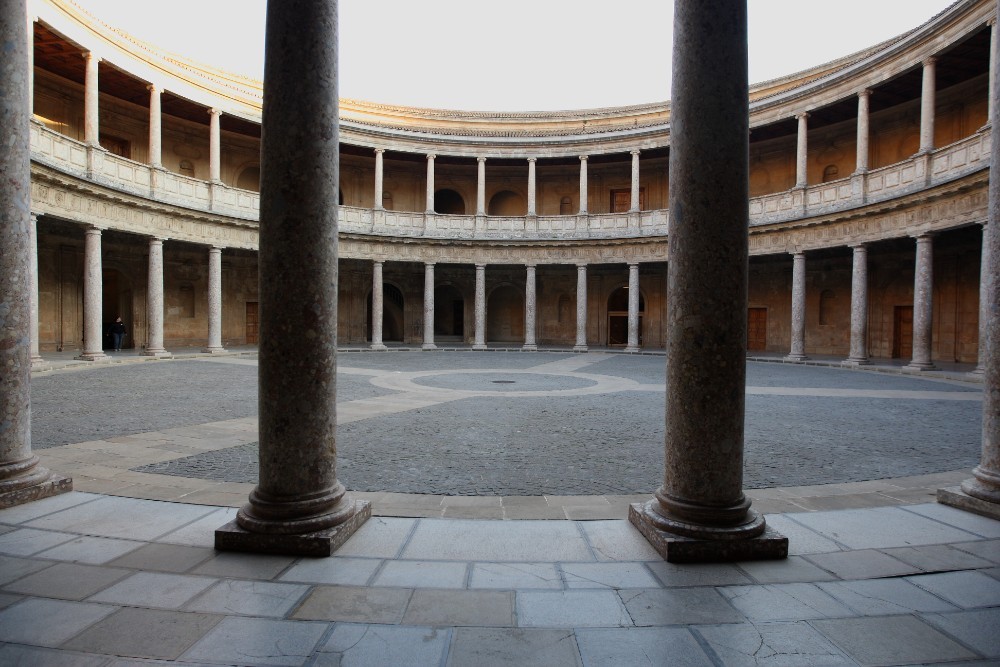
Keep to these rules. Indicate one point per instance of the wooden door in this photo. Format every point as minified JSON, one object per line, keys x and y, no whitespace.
{"x":757,"y":329}
{"x":902,"y":332}
{"x":621,"y":200}
{"x":253,"y":323}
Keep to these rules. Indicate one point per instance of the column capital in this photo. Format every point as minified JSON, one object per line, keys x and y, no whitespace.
{"x":431,"y":156}
{"x":797,"y":253}
{"x":635,"y":151}
{"x":584,"y":158}
{"x":531,"y":265}
{"x":633,"y":264}
{"x":380,"y":150}
{"x":581,"y":265}
{"x":532,"y":159}
{"x":480,"y":159}
{"x":214,"y":112}
{"x":929,"y":61}
{"x":90,"y":56}
{"x":430,"y":264}
{"x":153,"y":88}
{"x":94,"y":229}
{"x":217,"y":248}
{"x":378,"y":262}
{"x":158,"y":239}
{"x":860,"y":245}
{"x":480,"y":267}
{"x":802,"y":116}
{"x":34,"y":216}
{"x":865,"y":92}
{"x":991,"y":21}
{"x":923,"y":236}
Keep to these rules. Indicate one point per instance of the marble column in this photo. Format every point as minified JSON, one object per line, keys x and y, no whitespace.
{"x":214,"y":301}
{"x":583,"y":185}
{"x":859,"y":308}
{"x":532,"y":207}
{"x":481,"y":186}
{"x":30,"y":20}
{"x":633,"y":308}
{"x":984,"y":301}
{"x":21,"y":478}
{"x":93,"y":289}
{"x":298,"y":507}
{"x":214,"y":146}
{"x":154,"y":300}
{"x":530,"y":309}
{"x":993,"y":64}
{"x":701,"y":513}
{"x":155,"y":127}
{"x":864,"y":98}
{"x":429,"y":307}
{"x":923,"y":304}
{"x":634,"y":205}
{"x":927,"y":103}
{"x":581,"y":308}
{"x":379,"y":170}
{"x":480,"y":332}
{"x":802,"y":152}
{"x":91,"y":105}
{"x":798,"y":346}
{"x":430,"y":183}
{"x":36,"y":357}
{"x":378,"y":306}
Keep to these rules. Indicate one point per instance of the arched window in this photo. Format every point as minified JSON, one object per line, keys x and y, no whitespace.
{"x":449,"y":202}
{"x":387,"y":201}
{"x":186,"y":168}
{"x":826,"y":306}
{"x":506,"y":202}
{"x":565,"y":206}
{"x":830,"y":173}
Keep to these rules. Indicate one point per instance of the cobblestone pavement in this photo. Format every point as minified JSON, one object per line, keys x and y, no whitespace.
{"x":529,"y":424}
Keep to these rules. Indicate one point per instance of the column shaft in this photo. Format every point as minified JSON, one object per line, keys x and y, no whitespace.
{"x":863,"y":131}
{"x":634,"y":205}
{"x":480,"y":333}
{"x":532,"y":207}
{"x":155,"y":127}
{"x":93,"y":288}
{"x":581,"y":308}
{"x":481,"y":186}
{"x":36,"y":357}
{"x":859,"y":307}
{"x":802,"y":152}
{"x":91,"y":123}
{"x":154,"y":300}
{"x":923,"y":304}
{"x":378,"y":178}
{"x":633,"y":308}
{"x":530,"y":309}
{"x":984,"y":300}
{"x":378,"y":306}
{"x":927,"y":102}
{"x":214,"y":301}
{"x":430,"y":184}
{"x":798,"y":346}
{"x":993,"y":65}
{"x":214,"y":146}
{"x":583,"y":185}
{"x":429,"y":306}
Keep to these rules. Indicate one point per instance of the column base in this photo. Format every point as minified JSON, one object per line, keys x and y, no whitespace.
{"x":320,"y":544}
{"x":673,"y":548}
{"x":160,"y":354}
{"x":38,"y":364}
{"x":580,"y":348}
{"x":633,"y":349}
{"x":53,"y":485}
{"x":954,"y":496}
{"x":479,"y":346}
{"x":91,"y":356}
{"x":529,"y":347}
{"x":978,"y":371}
{"x":795,"y":357}
{"x":378,"y":347}
{"x":861,"y":361}
{"x":214,"y":350}
{"x":428,"y":346}
{"x":920,"y":366}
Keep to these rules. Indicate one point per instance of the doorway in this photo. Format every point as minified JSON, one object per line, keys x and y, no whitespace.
{"x":116,"y":301}
{"x":253,"y":323}
{"x":757,"y":329}
{"x":902,"y":332}
{"x":449,"y":314}
{"x":618,"y":317}
{"x":505,"y":315}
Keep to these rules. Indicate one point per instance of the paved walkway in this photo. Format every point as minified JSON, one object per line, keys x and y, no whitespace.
{"x":115,"y":574}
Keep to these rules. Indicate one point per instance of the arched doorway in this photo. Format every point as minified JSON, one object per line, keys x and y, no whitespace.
{"x":249,"y":179}
{"x":449,"y":202}
{"x":505,"y":315}
{"x":618,"y":317}
{"x":449,"y":314}
{"x":392,"y":315}
{"x":507,"y":203}
{"x":116,"y":301}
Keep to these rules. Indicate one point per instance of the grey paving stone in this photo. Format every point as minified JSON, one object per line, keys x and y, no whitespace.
{"x":26,"y":541}
{"x":862,"y":564}
{"x":422,"y":574}
{"x":881,"y":528}
{"x":977,"y":629}
{"x":988,"y":549}
{"x":608,"y":575}
{"x":938,"y":558}
{"x":784,"y":602}
{"x":127,"y":518}
{"x":67,"y":581}
{"x":479,"y":608}
{"x":890,"y":640}
{"x":698,"y":574}
{"x":524,"y":647}
{"x":200,"y":533}
{"x":143,"y":633}
{"x":48,"y":622}
{"x":12,"y":568}
{"x":973,"y":523}
{"x":39,"y":508}
{"x":379,"y":537}
{"x":571,"y":609}
{"x":91,"y":550}
{"x":256,"y":641}
{"x":22,"y":656}
{"x":334,"y":570}
{"x":383,"y":646}
{"x":514,"y":575}
{"x":618,"y":541}
{"x":249,"y":598}
{"x":354,"y":604}
{"x":244,"y":566}
{"x":154,"y":589}
{"x":790,"y":570}
{"x":650,"y":647}
{"x":801,"y":540}
{"x":465,"y":540}
{"x":7,"y":599}
{"x":164,"y":557}
{"x":677,"y":606}
{"x":772,"y":645}
{"x":965,"y":589}
{"x":882,"y":597}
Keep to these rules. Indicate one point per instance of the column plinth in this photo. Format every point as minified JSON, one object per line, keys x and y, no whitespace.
{"x":701,"y":514}
{"x":530,"y":309}
{"x":93,"y":287}
{"x":429,"y":307}
{"x":923,"y":305}
{"x":480,"y":332}
{"x":214,"y":303}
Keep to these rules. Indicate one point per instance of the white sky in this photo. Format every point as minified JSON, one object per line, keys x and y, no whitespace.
{"x":502,"y":55}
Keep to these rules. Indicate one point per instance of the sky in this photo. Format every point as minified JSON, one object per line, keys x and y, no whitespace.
{"x":514,"y":55}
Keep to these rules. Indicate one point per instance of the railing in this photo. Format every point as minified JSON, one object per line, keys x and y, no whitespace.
{"x":917,"y":173}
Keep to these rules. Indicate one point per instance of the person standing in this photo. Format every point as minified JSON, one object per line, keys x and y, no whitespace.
{"x":118,"y":333}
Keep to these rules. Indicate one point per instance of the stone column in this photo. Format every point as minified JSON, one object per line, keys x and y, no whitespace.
{"x":700,"y":513}
{"x":984,"y":299}
{"x":530,"y":309}
{"x":155,"y":128}
{"x":91,"y":106}
{"x":30,"y":21}
{"x":481,"y":186}
{"x":633,"y":308}
{"x":583,"y":185}
{"x":298,"y":507}
{"x":21,"y":478}
{"x":798,"y":347}
{"x":864,"y":97}
{"x":214,"y":146}
{"x":581,"y":308}
{"x":802,"y":152}
{"x":430,"y":183}
{"x":993,"y":64}
{"x":859,"y":308}
{"x":923,"y":304}
{"x":36,"y":358}
{"x":927,"y":107}
{"x":480,"y":333}
{"x":93,"y":288}
{"x":154,"y":300}
{"x":532,"y":207}
{"x":429,"y":306}
{"x":378,"y":306}
{"x":214,"y":301}
{"x":378,"y":178}
{"x":634,"y":206}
